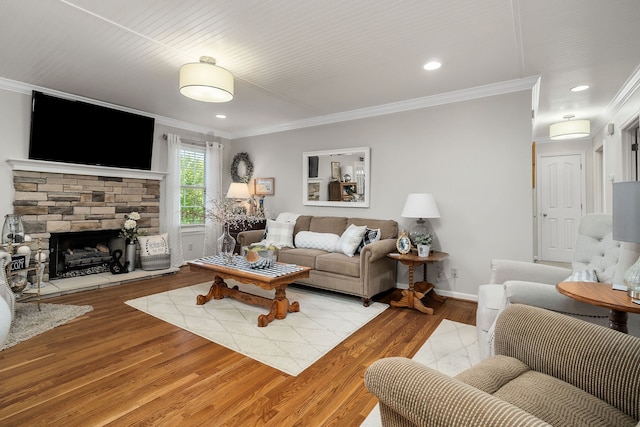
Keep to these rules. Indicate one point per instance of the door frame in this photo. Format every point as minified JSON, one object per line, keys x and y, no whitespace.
{"x":540,"y":191}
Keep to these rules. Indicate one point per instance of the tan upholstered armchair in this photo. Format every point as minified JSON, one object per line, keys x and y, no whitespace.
{"x":549,"y":369}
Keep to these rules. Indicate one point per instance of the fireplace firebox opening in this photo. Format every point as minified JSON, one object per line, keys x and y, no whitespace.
{"x":81,"y":253}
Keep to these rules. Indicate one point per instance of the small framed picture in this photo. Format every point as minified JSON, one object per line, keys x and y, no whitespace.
{"x":263,"y":186}
{"x":313,"y":191}
{"x":335,"y":170}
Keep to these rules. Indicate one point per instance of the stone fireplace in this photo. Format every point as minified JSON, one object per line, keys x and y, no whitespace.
{"x":61,"y":199}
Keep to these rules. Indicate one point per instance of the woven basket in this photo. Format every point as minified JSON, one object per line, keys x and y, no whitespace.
{"x":155,"y":262}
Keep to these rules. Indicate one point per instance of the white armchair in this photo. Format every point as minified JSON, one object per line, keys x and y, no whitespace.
{"x":534,"y":284}
{"x":7,"y":298}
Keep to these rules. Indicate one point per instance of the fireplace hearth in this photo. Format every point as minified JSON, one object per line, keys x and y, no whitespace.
{"x":82,"y":253}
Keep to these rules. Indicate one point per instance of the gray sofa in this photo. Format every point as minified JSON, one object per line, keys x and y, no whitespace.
{"x":365,"y":274}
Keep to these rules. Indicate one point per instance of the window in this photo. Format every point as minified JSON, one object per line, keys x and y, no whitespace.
{"x":192,"y":186}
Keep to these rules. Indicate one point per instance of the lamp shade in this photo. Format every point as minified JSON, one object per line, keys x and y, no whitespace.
{"x":626,"y":211}
{"x":570,"y":129}
{"x":238,"y":190}
{"x":347,"y":170}
{"x":420,"y":205}
{"x":205,"y":81}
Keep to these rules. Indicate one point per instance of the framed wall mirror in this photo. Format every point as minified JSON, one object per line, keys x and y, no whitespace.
{"x":337,"y":177}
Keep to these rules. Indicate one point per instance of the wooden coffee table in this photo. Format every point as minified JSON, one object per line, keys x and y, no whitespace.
{"x":279,"y":306}
{"x":602,"y":295}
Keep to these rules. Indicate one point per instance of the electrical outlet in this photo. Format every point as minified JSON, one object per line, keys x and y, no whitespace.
{"x":454,"y":272}
{"x":190,"y":248}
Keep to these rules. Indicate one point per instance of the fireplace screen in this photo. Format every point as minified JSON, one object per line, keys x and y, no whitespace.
{"x":81,"y":253}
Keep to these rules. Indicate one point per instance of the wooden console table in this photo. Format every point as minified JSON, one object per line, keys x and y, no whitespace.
{"x":412,"y":297}
{"x":602,"y":295}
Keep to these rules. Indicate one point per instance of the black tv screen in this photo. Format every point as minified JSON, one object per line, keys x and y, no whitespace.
{"x":70,"y":131}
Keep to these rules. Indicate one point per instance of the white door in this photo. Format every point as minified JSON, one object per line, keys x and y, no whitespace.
{"x":560,"y":202}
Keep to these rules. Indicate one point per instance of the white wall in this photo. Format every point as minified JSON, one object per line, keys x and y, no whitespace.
{"x":15,"y":122}
{"x":474,"y":157}
{"x":614,"y":147}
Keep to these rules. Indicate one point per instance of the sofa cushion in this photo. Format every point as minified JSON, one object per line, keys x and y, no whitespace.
{"x":300,"y":256}
{"x":280,"y":234}
{"x":302,"y":224}
{"x":328,"y":224}
{"x":560,"y":403}
{"x":350,"y":239}
{"x":546,"y":397}
{"x":388,"y":227}
{"x":489,"y":375}
{"x":311,"y":240}
{"x":339,"y":264}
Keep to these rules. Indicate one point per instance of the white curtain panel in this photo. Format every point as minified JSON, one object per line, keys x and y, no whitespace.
{"x":213,"y":182}
{"x":172,"y":201}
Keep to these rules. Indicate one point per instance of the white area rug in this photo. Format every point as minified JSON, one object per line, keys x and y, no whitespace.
{"x":29,"y":321}
{"x":452,"y":348}
{"x":291,"y":345}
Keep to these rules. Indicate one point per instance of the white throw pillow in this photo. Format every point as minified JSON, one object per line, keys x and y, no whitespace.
{"x":350,"y":239}
{"x":583,"y":276}
{"x":287,"y":217}
{"x":154,"y":245}
{"x":280,"y":234}
{"x":312,"y":240}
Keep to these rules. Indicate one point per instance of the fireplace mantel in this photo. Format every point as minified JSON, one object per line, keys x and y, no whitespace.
{"x":70,"y":168}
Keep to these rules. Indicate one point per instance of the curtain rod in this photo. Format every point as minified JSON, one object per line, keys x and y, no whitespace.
{"x":188,"y":141}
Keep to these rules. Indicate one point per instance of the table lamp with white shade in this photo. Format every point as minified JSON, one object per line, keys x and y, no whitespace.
{"x":626,"y":228}
{"x":347,"y":173}
{"x":421,"y":206}
{"x":238,"y":191}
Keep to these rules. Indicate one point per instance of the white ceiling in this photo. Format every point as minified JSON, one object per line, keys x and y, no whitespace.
{"x":304,"y":62}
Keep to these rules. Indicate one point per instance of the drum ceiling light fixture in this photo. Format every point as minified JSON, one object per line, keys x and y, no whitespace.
{"x":205,"y":81}
{"x":570,"y":129}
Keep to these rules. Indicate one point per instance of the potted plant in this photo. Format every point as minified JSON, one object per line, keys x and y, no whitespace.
{"x":423,"y":242}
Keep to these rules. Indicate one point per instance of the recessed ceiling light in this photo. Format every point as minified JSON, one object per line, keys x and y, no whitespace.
{"x":221,"y":116}
{"x":579,"y":88}
{"x":432,"y":65}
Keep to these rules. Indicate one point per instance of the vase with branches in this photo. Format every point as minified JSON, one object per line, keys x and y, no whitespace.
{"x":229,"y":214}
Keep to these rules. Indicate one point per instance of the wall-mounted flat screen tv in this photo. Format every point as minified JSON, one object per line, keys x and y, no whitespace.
{"x":69,"y":131}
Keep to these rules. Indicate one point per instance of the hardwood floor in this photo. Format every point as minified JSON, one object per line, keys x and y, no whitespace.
{"x":118,"y":366}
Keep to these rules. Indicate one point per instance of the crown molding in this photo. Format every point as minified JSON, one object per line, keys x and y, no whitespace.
{"x":626,"y":91}
{"x":509,"y":86}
